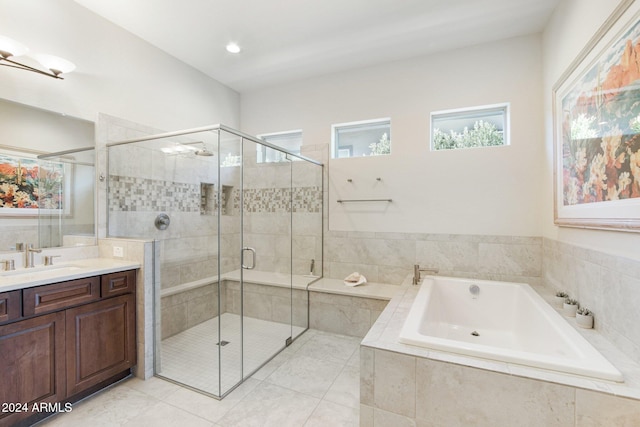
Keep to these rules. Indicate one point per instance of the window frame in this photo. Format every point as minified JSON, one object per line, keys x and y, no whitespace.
{"x":287,"y":132}
{"x":505,"y":107}
{"x":336,"y":126}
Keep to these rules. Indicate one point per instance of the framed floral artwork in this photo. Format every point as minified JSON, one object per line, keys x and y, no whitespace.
{"x":596,"y":109}
{"x":30,"y":187}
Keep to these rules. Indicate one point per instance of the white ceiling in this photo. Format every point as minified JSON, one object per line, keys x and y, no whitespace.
{"x":284,"y":40}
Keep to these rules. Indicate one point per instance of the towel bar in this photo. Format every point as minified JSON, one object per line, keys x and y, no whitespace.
{"x":364,"y":200}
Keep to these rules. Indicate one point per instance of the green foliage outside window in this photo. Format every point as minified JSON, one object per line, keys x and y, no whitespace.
{"x":381,"y":147}
{"x":483,"y":134}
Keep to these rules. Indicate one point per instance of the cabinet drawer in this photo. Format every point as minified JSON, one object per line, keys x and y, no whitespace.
{"x":10,"y":306}
{"x":122,"y":282}
{"x":45,"y":299}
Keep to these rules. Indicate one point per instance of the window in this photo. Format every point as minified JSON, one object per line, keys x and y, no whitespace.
{"x":357,"y":139}
{"x":290,"y":141}
{"x":470,"y":127}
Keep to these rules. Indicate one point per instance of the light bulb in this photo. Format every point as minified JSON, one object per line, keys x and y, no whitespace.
{"x":233,"y":48}
{"x":56,"y":64}
{"x":10,"y":47}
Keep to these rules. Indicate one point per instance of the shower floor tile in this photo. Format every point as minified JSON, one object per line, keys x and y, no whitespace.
{"x":193,"y":357}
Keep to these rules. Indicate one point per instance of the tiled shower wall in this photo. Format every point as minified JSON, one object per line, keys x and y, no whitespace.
{"x":282,"y":209}
{"x":171,"y":185}
{"x":283,"y":214}
{"x":608,"y":285}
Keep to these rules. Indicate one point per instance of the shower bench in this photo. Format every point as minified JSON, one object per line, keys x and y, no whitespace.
{"x":333,"y":307}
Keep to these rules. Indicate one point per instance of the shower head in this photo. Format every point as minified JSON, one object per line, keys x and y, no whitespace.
{"x":204,"y":152}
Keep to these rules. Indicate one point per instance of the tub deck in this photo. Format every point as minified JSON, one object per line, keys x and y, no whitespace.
{"x":385,"y":336}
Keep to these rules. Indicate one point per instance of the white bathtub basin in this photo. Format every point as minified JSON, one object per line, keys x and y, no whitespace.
{"x":507,"y":322}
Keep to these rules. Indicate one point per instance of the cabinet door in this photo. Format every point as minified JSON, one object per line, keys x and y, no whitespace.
{"x":32,"y":363}
{"x":101,"y":341}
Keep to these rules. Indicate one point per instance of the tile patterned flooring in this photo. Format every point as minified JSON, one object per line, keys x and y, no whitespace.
{"x":313,"y":382}
{"x":191,"y":357}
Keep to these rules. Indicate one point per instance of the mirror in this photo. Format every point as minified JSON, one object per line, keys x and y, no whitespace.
{"x":63,"y":184}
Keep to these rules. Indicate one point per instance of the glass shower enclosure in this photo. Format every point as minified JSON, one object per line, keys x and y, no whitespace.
{"x":66,"y":198}
{"x":238,"y":242}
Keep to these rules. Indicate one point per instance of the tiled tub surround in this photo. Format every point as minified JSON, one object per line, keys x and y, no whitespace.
{"x":407,"y":385}
{"x":335,"y":307}
{"x":389,"y":257}
{"x":606,"y":284}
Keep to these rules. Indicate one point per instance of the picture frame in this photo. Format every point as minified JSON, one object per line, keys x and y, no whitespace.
{"x":31,"y":187}
{"x":596,"y":124}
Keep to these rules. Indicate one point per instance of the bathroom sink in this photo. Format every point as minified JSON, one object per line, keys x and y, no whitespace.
{"x":58,"y":269}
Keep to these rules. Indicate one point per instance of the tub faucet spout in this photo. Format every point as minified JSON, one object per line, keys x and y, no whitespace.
{"x":417,"y":270}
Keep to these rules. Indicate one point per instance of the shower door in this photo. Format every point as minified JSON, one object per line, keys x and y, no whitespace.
{"x":266,"y":267}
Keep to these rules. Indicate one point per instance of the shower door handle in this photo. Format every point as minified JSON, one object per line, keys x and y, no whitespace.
{"x":253,"y":260}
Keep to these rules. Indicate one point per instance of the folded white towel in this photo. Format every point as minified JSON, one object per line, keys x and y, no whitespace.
{"x":355,"y":279}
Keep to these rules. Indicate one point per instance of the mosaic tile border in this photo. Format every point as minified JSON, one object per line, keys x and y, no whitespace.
{"x":129,"y":194}
{"x":142,"y":194}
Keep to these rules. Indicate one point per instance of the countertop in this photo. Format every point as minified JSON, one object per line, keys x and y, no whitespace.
{"x":43,"y":275}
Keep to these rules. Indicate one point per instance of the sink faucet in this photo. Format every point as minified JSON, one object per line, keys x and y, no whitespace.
{"x":8,"y":264}
{"x":417,"y":270}
{"x":28,"y":254}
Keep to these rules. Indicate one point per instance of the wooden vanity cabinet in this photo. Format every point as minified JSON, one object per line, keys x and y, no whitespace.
{"x":31,"y":365}
{"x":50,"y":298}
{"x":10,"y":306}
{"x":65,"y":341}
{"x":100,"y":340}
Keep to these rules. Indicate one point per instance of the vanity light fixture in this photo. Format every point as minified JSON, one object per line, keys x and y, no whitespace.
{"x":10,"y":48}
{"x":233,"y":48}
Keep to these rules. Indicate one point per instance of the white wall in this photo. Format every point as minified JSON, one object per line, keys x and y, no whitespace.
{"x":117,"y":73}
{"x":573,"y":24}
{"x":43,"y":131}
{"x":491,"y":191}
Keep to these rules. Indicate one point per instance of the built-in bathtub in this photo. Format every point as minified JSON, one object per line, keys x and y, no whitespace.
{"x":501,"y":321}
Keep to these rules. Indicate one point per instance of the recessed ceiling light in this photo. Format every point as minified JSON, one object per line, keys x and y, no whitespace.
{"x":233,"y":48}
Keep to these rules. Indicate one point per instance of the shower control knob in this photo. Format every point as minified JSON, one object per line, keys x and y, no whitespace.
{"x":162,"y":221}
